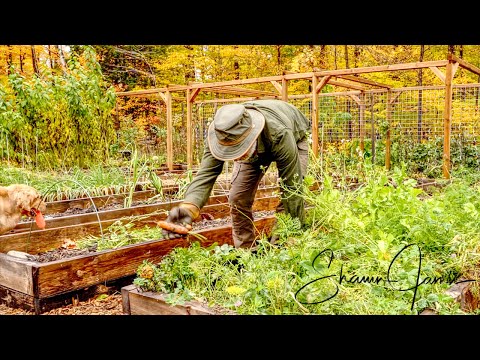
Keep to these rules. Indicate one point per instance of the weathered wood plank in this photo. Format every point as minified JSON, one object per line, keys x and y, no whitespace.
{"x":45,"y":240}
{"x":104,"y":215}
{"x":17,"y":274}
{"x":464,"y":64}
{"x":77,"y":272}
{"x":16,"y":299}
{"x":149,"y":303}
{"x":60,"y":206}
{"x":125,"y":298}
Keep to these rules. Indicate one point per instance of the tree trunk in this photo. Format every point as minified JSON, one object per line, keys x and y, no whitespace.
{"x":21,"y":59}
{"x":189,"y":66}
{"x":34,"y":60}
{"x":50,"y":57}
{"x":9,"y":58}
{"x":347,"y":66}
{"x":335,"y":57}
{"x":323,"y":57}
{"x":356,"y":55}
{"x":236,"y":65}
{"x":279,"y":57}
{"x":61,"y":57}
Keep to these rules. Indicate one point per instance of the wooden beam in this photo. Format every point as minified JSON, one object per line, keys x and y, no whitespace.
{"x":346,"y":85}
{"x":315,"y":115}
{"x":189,"y":128}
{"x":277,"y":86}
{"x":168,"y":100}
{"x":388,"y":141}
{"x":321,"y":83}
{"x":454,"y":68}
{"x":284,"y":89}
{"x":162,"y":95}
{"x":380,"y":68}
{"x":464,"y":64}
{"x":437,"y":72}
{"x":394,"y":98}
{"x":236,"y":100}
{"x":240,"y":91}
{"x":447,"y":121}
{"x":356,"y":98}
{"x":365,"y":81}
{"x":193,"y":94}
{"x":362,"y":122}
{"x":308,"y":75}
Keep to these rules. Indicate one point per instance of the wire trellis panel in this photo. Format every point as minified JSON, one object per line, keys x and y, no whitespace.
{"x":416,"y":115}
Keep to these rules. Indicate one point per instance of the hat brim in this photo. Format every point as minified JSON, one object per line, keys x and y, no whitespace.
{"x":227,"y":153}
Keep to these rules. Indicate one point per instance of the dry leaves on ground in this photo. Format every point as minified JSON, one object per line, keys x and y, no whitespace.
{"x":102,"y":304}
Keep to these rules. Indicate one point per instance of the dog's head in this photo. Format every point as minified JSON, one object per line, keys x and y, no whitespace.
{"x":27,"y":199}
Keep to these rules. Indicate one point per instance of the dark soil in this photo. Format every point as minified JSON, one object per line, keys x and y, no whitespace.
{"x":78,"y":210}
{"x":60,"y":253}
{"x":204,"y":223}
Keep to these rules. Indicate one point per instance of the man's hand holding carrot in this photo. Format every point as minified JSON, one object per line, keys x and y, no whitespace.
{"x":183,"y":214}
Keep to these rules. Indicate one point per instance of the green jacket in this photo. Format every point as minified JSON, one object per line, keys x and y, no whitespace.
{"x":285,"y":125}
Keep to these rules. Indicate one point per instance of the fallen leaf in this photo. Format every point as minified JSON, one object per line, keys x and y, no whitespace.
{"x":69,"y":244}
{"x":101,"y":297}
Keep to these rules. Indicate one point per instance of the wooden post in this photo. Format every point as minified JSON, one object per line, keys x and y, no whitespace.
{"x":447,"y":120}
{"x":191,"y":95}
{"x":362,"y":121}
{"x":189,"y":130}
{"x":372,"y":136}
{"x":314,"y":116}
{"x":284,"y":89}
{"x":388,"y":143}
{"x":168,"y":96}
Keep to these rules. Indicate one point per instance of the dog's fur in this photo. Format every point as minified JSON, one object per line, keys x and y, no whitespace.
{"x":13,"y":200}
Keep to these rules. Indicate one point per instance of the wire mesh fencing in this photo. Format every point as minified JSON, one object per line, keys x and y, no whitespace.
{"x":413,"y":117}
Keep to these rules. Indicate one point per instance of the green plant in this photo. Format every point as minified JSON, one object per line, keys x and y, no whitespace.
{"x":362,"y":239}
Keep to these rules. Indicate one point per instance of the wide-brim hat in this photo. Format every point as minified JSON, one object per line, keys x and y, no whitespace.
{"x":233,"y":131}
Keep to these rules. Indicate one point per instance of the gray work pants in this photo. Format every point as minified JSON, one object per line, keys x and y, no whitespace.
{"x":244,"y":184}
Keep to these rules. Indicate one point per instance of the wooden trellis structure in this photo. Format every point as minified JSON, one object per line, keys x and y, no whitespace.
{"x":347,"y":78}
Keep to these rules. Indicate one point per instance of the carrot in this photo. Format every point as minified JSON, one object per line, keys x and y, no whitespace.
{"x":39,"y":219}
{"x":176,"y":228}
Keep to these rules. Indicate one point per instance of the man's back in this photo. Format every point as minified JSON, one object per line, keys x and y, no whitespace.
{"x":280,"y":115}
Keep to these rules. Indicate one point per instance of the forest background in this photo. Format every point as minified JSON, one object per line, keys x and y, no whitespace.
{"x":58,"y":102}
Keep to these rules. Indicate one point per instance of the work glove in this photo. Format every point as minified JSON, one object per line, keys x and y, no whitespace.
{"x":183,"y":214}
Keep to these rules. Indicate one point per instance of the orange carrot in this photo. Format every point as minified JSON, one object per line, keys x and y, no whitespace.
{"x":176,"y":228}
{"x":39,"y":219}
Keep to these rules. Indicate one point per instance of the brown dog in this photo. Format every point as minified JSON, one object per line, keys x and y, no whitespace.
{"x":17,"y":200}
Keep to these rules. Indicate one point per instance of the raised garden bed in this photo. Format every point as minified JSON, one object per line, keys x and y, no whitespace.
{"x":137,"y":302}
{"x":113,"y":211}
{"x":41,"y":286}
